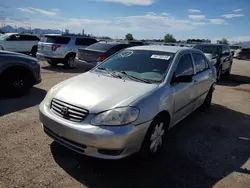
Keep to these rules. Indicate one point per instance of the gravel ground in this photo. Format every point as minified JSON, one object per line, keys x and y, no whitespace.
{"x":208,"y":149}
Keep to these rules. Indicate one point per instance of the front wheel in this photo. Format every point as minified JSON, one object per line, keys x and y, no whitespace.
{"x":15,"y":83}
{"x":154,"y":139}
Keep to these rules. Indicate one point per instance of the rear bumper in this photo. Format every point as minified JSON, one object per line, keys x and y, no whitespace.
{"x":94,"y":63}
{"x":50,"y":56}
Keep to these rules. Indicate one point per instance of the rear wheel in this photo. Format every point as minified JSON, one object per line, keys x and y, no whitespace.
{"x":70,"y":62}
{"x":34,"y":51}
{"x":219,"y":74}
{"x":208,"y":100}
{"x":15,"y":82}
{"x":228,"y":71}
{"x":53,"y":63}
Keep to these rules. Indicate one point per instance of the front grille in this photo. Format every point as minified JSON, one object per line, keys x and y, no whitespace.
{"x":80,"y":148}
{"x":68,"y":111}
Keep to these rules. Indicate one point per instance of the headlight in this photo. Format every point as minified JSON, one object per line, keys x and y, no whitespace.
{"x":117,"y":116}
{"x":48,"y":98}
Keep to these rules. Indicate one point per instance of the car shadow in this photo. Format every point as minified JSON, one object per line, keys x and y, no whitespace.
{"x":32,"y":98}
{"x":234,"y":80}
{"x":203,"y":149}
{"x":80,"y":68}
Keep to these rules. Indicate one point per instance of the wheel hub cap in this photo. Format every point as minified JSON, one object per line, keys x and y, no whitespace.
{"x":156,"y":137}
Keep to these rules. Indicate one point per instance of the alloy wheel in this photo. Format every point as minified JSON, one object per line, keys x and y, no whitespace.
{"x":156,"y":138}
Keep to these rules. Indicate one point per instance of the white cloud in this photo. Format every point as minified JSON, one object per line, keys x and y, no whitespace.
{"x":56,"y":10}
{"x":36,"y":10}
{"x":232,"y":15}
{"x":194,"y":10}
{"x":217,"y":21}
{"x":237,"y":10}
{"x":130,"y":2}
{"x":197,"y":17}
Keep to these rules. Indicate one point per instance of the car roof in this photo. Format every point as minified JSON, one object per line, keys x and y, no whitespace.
{"x":65,"y":35}
{"x":171,"y":49}
{"x":210,"y":44}
{"x":10,"y":34}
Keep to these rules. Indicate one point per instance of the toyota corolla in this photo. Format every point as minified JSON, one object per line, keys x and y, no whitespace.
{"x":126,"y":104}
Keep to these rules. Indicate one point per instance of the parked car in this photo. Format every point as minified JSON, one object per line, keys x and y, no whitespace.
{"x":18,"y":73}
{"x":62,"y":48}
{"x":128,"y":103}
{"x":243,"y":53}
{"x":222,"y":58}
{"x":137,"y":43}
{"x":23,"y":43}
{"x":233,"y":48}
{"x":98,"y":52}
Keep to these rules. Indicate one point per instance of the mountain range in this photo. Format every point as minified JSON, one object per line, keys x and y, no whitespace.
{"x":11,"y":29}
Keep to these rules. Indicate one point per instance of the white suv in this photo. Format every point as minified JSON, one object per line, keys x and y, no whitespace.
{"x":62,"y":48}
{"x":23,"y":43}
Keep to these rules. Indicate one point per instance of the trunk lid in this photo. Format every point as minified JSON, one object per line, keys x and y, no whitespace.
{"x":89,"y":55}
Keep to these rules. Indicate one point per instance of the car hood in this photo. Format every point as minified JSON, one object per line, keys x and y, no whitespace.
{"x":99,"y":92}
{"x":8,"y":53}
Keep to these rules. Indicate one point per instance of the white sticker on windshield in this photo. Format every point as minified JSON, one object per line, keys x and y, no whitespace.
{"x":164,"y":57}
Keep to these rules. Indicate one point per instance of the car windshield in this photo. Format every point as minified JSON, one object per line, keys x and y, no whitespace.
{"x":146,"y":65}
{"x":3,"y":36}
{"x":215,"y":50}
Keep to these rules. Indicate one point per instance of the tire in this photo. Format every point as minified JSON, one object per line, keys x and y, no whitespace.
{"x":228,"y":71}
{"x":155,"y":138}
{"x":34,"y":51}
{"x":52,"y":63}
{"x":15,"y":82}
{"x":219,"y":74}
{"x":208,"y":100}
{"x":70,"y":62}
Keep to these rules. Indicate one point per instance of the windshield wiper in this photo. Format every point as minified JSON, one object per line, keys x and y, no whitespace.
{"x":135,"y":78}
{"x":110,"y":72}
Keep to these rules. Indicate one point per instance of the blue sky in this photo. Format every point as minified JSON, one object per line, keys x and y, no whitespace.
{"x":211,"y":19}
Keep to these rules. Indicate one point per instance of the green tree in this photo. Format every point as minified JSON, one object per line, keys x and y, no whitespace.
{"x":222,"y":41}
{"x":169,"y":38}
{"x":129,"y":36}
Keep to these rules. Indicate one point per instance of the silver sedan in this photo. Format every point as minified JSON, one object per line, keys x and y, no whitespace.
{"x":127,"y":103}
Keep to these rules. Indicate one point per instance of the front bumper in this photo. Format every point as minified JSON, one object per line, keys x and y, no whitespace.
{"x":107,"y":142}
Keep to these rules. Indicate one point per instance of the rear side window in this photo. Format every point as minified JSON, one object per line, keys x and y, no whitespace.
{"x":85,"y":41}
{"x":56,"y":39}
{"x":185,"y":66}
{"x":100,"y":47}
{"x":28,"y":38}
{"x":200,"y":63}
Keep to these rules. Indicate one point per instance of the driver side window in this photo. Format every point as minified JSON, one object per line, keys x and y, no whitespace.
{"x":185,"y":66}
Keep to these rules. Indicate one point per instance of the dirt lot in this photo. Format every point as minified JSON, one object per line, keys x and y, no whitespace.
{"x":209,"y":149}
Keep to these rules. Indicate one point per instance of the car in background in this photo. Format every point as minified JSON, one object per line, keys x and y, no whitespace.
{"x":233,"y":48}
{"x":243,"y":53}
{"x":22,"y":43}
{"x":62,"y":48}
{"x":127,"y":104}
{"x":18,"y":73}
{"x":222,"y":57}
{"x":137,"y":43}
{"x":98,"y":52}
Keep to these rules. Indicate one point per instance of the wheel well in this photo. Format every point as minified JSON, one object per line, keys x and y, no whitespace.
{"x":70,"y":54}
{"x":165,"y":116}
{"x":26,"y":71}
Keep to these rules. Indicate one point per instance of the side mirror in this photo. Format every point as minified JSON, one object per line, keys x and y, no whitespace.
{"x":182,"y":79}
